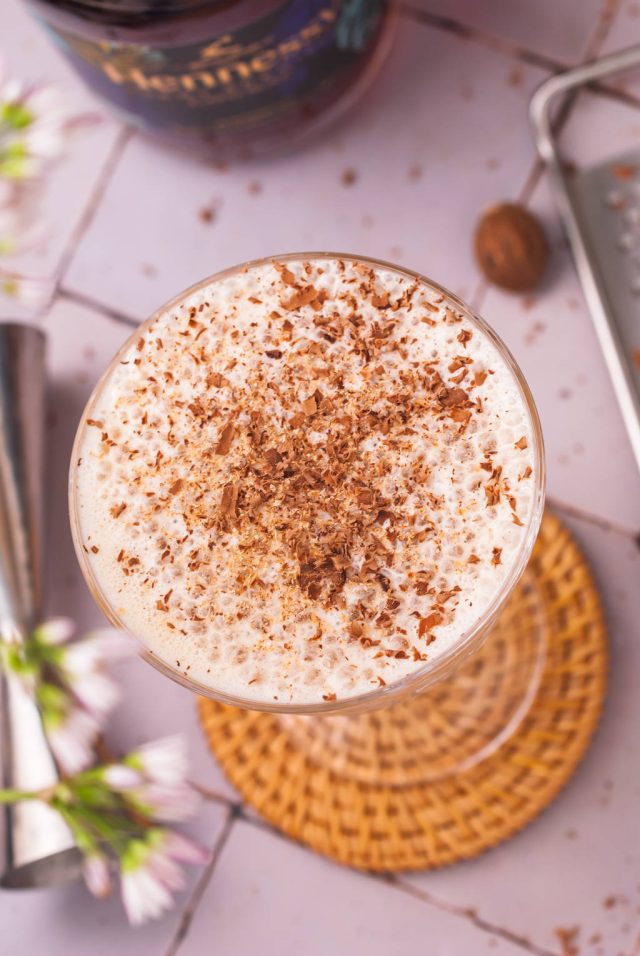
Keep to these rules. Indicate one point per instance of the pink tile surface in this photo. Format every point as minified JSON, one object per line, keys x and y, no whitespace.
{"x":269,"y":896}
{"x":442,"y":134}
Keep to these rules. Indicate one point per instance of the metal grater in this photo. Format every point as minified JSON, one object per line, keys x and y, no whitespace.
{"x":600,"y":208}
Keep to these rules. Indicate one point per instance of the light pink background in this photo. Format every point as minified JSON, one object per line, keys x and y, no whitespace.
{"x":126,"y":234}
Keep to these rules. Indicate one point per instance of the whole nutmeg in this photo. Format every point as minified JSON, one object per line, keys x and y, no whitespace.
{"x":511,"y":247}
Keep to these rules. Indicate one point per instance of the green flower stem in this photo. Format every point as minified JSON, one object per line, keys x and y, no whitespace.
{"x":16,"y":796}
{"x":114,"y":829}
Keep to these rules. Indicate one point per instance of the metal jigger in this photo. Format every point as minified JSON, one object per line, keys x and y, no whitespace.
{"x":37,"y":847}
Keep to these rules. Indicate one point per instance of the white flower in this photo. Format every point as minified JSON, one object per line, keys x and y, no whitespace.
{"x":29,"y":291}
{"x":10,"y":633}
{"x":72,"y":737}
{"x":162,"y":761}
{"x":96,"y":692}
{"x":96,"y":874}
{"x":164,"y":793}
{"x":57,"y":630}
{"x":120,"y":777}
{"x":94,"y":650}
{"x":83,"y":667}
{"x":165,"y":869}
{"x":150,"y":872}
{"x":164,"y":802}
{"x":144,"y":895}
{"x":33,"y":129}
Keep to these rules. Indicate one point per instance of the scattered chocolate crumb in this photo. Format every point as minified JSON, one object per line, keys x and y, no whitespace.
{"x":229,"y":499}
{"x":349,"y":176}
{"x":515,"y":77}
{"x":624,"y":172}
{"x":522,"y":443}
{"x":207,"y":214}
{"x":116,"y":510}
{"x":568,"y":939}
{"x":225,"y":439}
{"x":496,"y":556}
{"x":534,"y":332}
{"x":511,"y":247}
{"x":328,"y":696}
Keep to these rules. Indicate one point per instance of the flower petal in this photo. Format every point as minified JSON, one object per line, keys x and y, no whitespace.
{"x":162,"y":761}
{"x":97,"y":649}
{"x":96,"y":875}
{"x":120,"y":777}
{"x":72,"y":738}
{"x":96,"y":692}
{"x":161,"y":802}
{"x":185,"y":850}
{"x":144,"y":895}
{"x":57,"y":630}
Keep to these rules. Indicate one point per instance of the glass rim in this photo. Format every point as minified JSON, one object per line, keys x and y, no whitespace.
{"x":432,"y":671}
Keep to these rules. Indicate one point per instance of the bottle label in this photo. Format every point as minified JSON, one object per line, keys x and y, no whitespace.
{"x":226,"y":80}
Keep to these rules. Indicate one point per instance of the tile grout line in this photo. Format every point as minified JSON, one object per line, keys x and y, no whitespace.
{"x":79,"y":298}
{"x":608,"y":14}
{"x":188,"y":913}
{"x":490,"y":40}
{"x":470,"y":915}
{"x":97,"y":193}
{"x":213,"y":796}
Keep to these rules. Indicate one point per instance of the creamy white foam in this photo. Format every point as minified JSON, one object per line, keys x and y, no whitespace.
{"x":305,"y":480}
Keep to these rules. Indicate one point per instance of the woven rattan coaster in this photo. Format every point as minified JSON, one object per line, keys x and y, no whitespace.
{"x":404,"y":823}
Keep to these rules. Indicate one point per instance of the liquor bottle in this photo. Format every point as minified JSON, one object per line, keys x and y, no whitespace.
{"x":240,"y":77}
